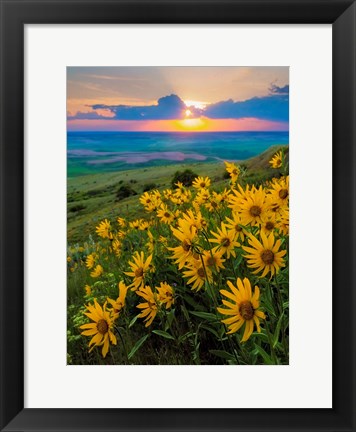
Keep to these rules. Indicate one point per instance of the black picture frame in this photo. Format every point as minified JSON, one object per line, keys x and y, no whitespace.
{"x":14,"y":15}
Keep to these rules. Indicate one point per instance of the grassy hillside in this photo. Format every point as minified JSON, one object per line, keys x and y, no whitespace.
{"x":91,"y":198}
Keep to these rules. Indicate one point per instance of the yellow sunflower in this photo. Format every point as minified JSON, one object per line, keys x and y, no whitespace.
{"x":104,"y":229}
{"x":226,"y":240}
{"x":165,"y":214}
{"x":97,"y":272}
{"x":269,"y":223}
{"x":233,"y":170}
{"x":265,"y":257}
{"x":253,"y":208}
{"x":193,"y":220}
{"x":279,"y":192}
{"x":201,"y":183}
{"x":90,"y":261}
{"x":101,"y":328}
{"x":198,"y":275}
{"x":140,"y":267}
{"x":242,"y":308}
{"x":149,"y":307}
{"x":213,"y":260}
{"x":235,"y":224}
{"x":165,"y":294}
{"x":119,"y":303}
{"x":186,"y":234}
{"x":277,"y":160}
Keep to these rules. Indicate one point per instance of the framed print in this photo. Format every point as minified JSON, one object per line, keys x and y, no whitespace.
{"x":152,"y":156}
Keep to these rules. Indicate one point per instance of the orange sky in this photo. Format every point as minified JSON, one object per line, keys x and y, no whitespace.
{"x":187,"y":125}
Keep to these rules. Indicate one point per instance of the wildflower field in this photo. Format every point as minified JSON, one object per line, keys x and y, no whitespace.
{"x":201,"y":279}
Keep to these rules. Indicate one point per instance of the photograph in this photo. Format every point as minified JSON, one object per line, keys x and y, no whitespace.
{"x":177,"y":215}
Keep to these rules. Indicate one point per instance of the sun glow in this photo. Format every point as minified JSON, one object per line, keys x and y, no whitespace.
{"x":191,"y":124}
{"x":196,"y":104}
{"x":188,"y":113}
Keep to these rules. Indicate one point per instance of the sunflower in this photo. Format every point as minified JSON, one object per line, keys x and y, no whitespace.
{"x":87,"y":289}
{"x":165,"y":214}
{"x":213,"y":260}
{"x":201,"y":183}
{"x":242,"y":308}
{"x":277,"y":160}
{"x":185,"y":233}
{"x":226,"y":240}
{"x":253,"y":208}
{"x":165,"y":294}
{"x":104,"y":229}
{"x":151,"y":201}
{"x":279,"y":192}
{"x":119,"y":303}
{"x":121,"y":221}
{"x":149,"y":307}
{"x":98,"y":271}
{"x":235,"y":224}
{"x":193,"y":220}
{"x":239,"y":197}
{"x":140,"y":267}
{"x":144,"y":225}
{"x":90,"y":261}
{"x":101,"y":328}
{"x":214,"y":202}
{"x":265,"y":256}
{"x":198,"y":275}
{"x":116,"y":246}
{"x":269,"y":223}
{"x":233,"y":170}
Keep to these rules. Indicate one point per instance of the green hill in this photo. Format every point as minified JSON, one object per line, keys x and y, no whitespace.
{"x":91,"y":198}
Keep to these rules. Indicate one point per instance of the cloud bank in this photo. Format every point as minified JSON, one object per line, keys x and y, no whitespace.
{"x":273,"y":107}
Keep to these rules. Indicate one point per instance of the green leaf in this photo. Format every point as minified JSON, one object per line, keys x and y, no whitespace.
{"x":137,"y":346}
{"x":211,"y":330}
{"x":132,"y":322}
{"x":278,"y":329}
{"x":170,"y":317}
{"x":223,"y":354}
{"x":205,"y":315}
{"x":192,"y":302}
{"x":163,"y":334}
{"x":264,"y":355}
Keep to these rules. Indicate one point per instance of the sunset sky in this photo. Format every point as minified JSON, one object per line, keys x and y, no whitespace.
{"x":203,"y":99}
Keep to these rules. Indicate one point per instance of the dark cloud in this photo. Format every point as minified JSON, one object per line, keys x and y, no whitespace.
{"x":274,"y":89}
{"x":167,"y":108}
{"x":87,"y":116}
{"x":274,"y":107}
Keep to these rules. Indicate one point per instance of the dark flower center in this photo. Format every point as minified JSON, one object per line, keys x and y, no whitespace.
{"x":167,"y":215}
{"x":255,"y":211}
{"x":225,"y":242}
{"x":202,"y":184}
{"x":201,"y":272}
{"x":283,"y":193}
{"x":102,"y":326}
{"x":246,"y":310}
{"x":186,"y":246}
{"x":269,"y":226}
{"x":211,"y":261}
{"x":139,"y":272}
{"x":267,"y":257}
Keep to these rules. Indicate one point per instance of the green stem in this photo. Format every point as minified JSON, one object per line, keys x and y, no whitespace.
{"x":123,"y":343}
{"x":270,"y":343}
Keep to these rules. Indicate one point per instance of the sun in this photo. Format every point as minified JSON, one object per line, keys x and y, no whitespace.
{"x":188,"y":113}
{"x":191,"y":124}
